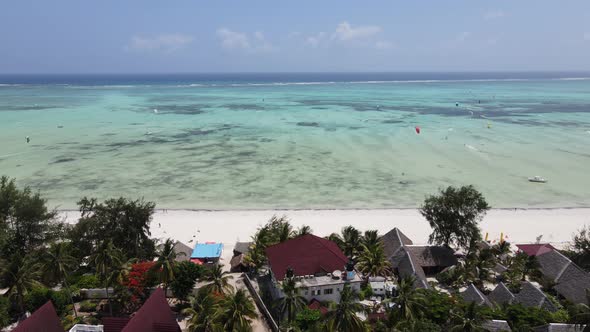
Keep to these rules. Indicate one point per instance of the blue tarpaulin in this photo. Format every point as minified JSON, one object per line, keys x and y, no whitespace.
{"x":207,"y":250}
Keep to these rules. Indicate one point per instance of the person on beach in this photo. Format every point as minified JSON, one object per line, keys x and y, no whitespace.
{"x":28,"y":139}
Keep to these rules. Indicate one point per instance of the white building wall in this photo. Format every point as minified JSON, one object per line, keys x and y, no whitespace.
{"x":329,"y":292}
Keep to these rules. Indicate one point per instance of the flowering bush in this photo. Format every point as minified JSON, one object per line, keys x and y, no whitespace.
{"x":136,"y":281}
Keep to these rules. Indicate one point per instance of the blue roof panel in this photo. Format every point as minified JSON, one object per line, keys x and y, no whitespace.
{"x":207,"y":250}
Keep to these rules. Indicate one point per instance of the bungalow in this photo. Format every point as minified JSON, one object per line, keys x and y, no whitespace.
{"x":558,"y":327}
{"x":44,"y":319}
{"x":496,"y":325}
{"x":318,"y":266}
{"x":183,"y":252}
{"x":154,"y":316}
{"x":472,"y":294}
{"x":237,"y":263}
{"x":417,"y":261}
{"x":570,"y":280}
{"x":531,"y":296}
{"x":207,"y":253}
{"x":501,"y":295}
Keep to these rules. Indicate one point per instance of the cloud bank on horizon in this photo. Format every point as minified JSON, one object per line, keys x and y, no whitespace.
{"x":149,"y":36}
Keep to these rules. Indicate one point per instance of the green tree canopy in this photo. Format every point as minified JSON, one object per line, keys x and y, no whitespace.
{"x":25,"y":222}
{"x":349,"y":241}
{"x":185,"y":277}
{"x":454,"y":215}
{"x":124,"y":222}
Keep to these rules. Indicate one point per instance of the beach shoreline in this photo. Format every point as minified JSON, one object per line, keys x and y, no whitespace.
{"x":556,"y":226}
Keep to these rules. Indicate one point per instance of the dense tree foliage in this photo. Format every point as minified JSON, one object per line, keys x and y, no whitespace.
{"x":454,"y":215}
{"x":124,"y":222}
{"x":349,"y":240}
{"x":25,"y":222}
{"x":291,"y":302}
{"x":276,"y":230}
{"x":185,"y":277}
{"x":344,"y":314}
{"x":579,"y":251}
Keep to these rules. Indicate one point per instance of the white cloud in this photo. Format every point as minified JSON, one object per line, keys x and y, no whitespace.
{"x":164,"y":42}
{"x":316,"y":39}
{"x":234,"y":40}
{"x":345,"y":31}
{"x":494,"y":14}
{"x":383,"y":45}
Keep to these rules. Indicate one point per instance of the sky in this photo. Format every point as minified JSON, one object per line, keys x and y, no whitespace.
{"x":155,"y":36}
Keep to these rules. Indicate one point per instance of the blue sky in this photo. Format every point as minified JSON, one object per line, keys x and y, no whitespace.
{"x":133,"y":36}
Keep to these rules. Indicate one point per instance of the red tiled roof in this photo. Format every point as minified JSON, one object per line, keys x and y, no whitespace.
{"x":154,"y":316}
{"x":306,"y":254}
{"x":317,"y":305}
{"x":114,"y":324}
{"x":535,"y":249}
{"x":45,"y":319}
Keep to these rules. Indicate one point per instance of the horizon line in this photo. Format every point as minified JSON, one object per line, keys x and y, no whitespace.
{"x":305,"y":72}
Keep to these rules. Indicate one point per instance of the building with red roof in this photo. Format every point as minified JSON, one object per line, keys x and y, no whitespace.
{"x":45,"y":319}
{"x":154,"y":316}
{"x":535,"y":249}
{"x":318,"y":265}
{"x":305,"y":255}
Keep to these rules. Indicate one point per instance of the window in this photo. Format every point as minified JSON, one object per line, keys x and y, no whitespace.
{"x":315,"y":292}
{"x":328,"y":291}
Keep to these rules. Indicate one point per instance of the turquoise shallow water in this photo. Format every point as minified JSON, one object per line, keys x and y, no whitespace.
{"x":321,"y":143}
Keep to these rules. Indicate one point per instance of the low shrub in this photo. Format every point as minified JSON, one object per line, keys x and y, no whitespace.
{"x":88,"y":306}
{"x":88,"y":281}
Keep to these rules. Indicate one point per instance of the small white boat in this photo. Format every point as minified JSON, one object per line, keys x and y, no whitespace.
{"x":538,"y":179}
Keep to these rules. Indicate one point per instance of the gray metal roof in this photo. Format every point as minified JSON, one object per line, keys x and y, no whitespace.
{"x":433,"y":256}
{"x":472,"y":294}
{"x":393,"y":240}
{"x":572,"y":284}
{"x":242,"y":247}
{"x":553,"y":263}
{"x":558,"y":327}
{"x":405,"y":263}
{"x":496,"y":325}
{"x":501,"y":294}
{"x":531,"y":296}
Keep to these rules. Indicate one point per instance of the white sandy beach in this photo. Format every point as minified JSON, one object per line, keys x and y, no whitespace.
{"x":227,"y":227}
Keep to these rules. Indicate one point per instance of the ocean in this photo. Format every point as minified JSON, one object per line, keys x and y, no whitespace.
{"x":298,"y":141}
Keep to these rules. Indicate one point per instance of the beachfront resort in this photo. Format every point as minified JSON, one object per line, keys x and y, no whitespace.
{"x":105,"y":272}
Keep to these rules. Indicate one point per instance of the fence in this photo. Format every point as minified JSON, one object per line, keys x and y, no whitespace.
{"x":261,"y":306}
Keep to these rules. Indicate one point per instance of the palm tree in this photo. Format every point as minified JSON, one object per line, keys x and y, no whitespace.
{"x":371,"y":239}
{"x":237,"y":310}
{"x":57,"y":263}
{"x":204,"y":313}
{"x":343,"y":317}
{"x":304,"y":230}
{"x":256,"y":256}
{"x":372,"y":261}
{"x":285,"y":231}
{"x":219,"y":279}
{"x":349,"y":241}
{"x":105,"y":260}
{"x":165,"y":262}
{"x":409,"y":303}
{"x":501,"y":250}
{"x":291,"y":302}
{"x":20,"y":275}
{"x":478,"y":267}
{"x":580,"y":313}
{"x":470,"y":320}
